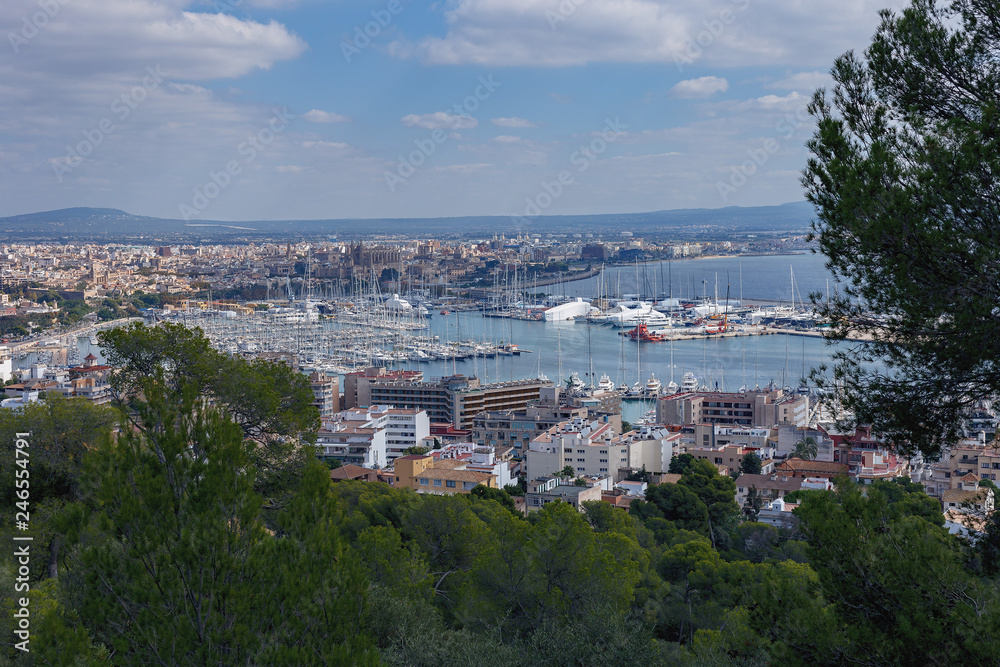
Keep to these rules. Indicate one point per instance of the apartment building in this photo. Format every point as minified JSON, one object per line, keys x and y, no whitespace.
{"x":968,"y":456}
{"x":589,"y":447}
{"x":649,"y":447}
{"x":456,"y":399}
{"x":390,"y":431}
{"x":758,"y":409}
{"x":356,"y":384}
{"x":352,"y":443}
{"x":326,"y":392}
{"x":517,"y":428}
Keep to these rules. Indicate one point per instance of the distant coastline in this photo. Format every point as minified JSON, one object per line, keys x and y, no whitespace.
{"x":583,"y":275}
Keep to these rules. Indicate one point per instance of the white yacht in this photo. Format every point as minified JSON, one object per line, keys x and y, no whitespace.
{"x":689,"y":382}
{"x":605,"y":383}
{"x":653,"y":386}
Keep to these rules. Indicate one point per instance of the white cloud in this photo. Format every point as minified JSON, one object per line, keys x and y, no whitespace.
{"x":513,"y":121}
{"x":791,"y":101}
{"x":440,"y":120}
{"x":699,"y":88}
{"x":807,"y":81}
{"x":715,"y":32}
{"x":507,"y":139}
{"x":318,"y":116}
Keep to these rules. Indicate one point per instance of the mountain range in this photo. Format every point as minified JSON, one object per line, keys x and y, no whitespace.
{"x":108,"y":224}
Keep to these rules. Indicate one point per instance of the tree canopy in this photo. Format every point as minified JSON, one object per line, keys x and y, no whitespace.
{"x":270,"y":402}
{"x":904,"y":179}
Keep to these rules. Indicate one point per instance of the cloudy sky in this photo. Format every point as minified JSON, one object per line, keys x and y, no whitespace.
{"x":290,"y":109}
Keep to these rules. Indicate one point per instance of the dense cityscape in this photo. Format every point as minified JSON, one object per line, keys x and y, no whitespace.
{"x":562,"y":333}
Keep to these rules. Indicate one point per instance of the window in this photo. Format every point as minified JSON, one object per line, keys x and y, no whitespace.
{"x":437,"y":482}
{"x":450,"y":483}
{"x":423,"y":481}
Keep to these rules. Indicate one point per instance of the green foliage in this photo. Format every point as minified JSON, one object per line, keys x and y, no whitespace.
{"x":718,"y":493}
{"x":62,"y":431}
{"x":270,"y":402}
{"x":897,"y":580}
{"x":677,"y":504}
{"x":903,"y":178}
{"x":641,"y":475}
{"x":178,"y":567}
{"x":501,"y":496}
{"x":988,"y":545}
{"x":806,"y":449}
{"x":518,"y":489}
{"x":627,"y":426}
{"x":680,"y":464}
{"x":751,"y":464}
{"x":753,"y":504}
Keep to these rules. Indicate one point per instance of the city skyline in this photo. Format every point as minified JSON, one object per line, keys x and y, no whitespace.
{"x":271,"y":109}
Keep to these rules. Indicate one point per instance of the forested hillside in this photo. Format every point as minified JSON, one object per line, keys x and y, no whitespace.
{"x":173,"y":530}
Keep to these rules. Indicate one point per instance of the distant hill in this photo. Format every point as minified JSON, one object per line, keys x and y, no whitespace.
{"x":108,"y":224}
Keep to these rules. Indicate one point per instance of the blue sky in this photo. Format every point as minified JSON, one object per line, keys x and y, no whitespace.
{"x":287,"y":109}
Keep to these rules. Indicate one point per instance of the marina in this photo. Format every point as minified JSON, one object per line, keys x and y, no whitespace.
{"x":641,"y":349}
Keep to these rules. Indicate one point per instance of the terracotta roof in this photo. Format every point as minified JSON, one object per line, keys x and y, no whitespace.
{"x":969,"y":477}
{"x":765,"y":482}
{"x":801,"y":465}
{"x":449,"y":464}
{"x":455,"y":475}
{"x":351,"y":472}
{"x":960,"y":496}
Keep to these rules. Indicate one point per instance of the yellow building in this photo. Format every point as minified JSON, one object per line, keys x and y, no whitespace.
{"x":425,"y":475}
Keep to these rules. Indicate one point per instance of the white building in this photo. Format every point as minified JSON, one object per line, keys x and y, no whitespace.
{"x":567,"y":311}
{"x":588,"y":447}
{"x":373,"y":437}
{"x":6,"y":364}
{"x":359,"y":445}
{"x":404,"y":428}
{"x":649,"y":447}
